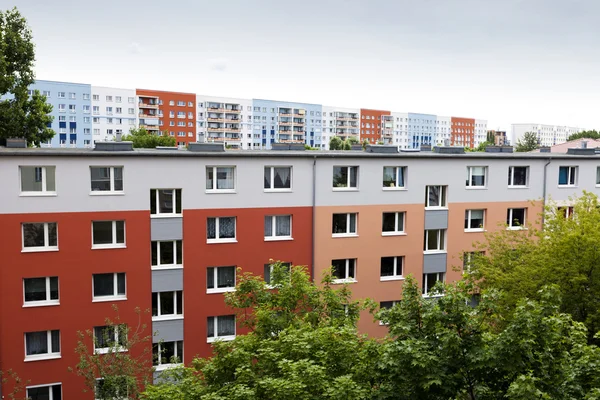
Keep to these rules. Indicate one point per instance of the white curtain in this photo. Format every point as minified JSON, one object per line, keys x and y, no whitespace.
{"x":37,"y":343}
{"x":226,"y":325}
{"x":227,"y":228}
{"x":283,"y":225}
{"x":282,"y":178}
{"x":225,"y":178}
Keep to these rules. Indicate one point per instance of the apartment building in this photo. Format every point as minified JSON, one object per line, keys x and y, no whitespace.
{"x":175,"y":112}
{"x":71,"y":109}
{"x":548,"y":135}
{"x":341,"y":122}
{"x":463,"y":132}
{"x":226,"y":120}
{"x":85,"y":229}
{"x":370,"y":125}
{"x":481,"y":132}
{"x":114,"y":111}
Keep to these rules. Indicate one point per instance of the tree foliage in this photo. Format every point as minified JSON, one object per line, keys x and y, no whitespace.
{"x":528,"y":142}
{"x":142,"y":139}
{"x":480,"y":148}
{"x":125,"y":368}
{"x":21,"y":115}
{"x":565,"y":254}
{"x":593,"y":134}
{"x":336,"y":143}
{"x":10,"y":379}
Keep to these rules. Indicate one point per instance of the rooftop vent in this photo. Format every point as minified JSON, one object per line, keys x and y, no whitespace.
{"x":584,"y":144}
{"x":288,"y":146}
{"x":113,"y":146}
{"x":381,"y":149}
{"x":207,"y":147}
{"x":16,"y":143}
{"x":356,"y":147}
{"x":167,"y":148}
{"x":499,"y":149}
{"x":545,"y":149}
{"x":425,"y":147}
{"x":582,"y":151}
{"x":449,"y":150}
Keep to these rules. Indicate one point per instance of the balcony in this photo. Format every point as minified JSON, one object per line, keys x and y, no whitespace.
{"x":146,"y":105}
{"x":150,"y":127}
{"x":232,"y":111}
{"x":303,"y":116}
{"x":284,"y":132}
{"x":285,"y":123}
{"x":285,"y":114}
{"x":223,"y":139}
{"x":216,"y":120}
{"x":291,"y":140}
{"x":144,"y":115}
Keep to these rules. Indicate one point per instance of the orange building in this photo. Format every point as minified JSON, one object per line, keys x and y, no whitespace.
{"x":463,"y":132}
{"x":371,"y":124}
{"x":175,"y":112}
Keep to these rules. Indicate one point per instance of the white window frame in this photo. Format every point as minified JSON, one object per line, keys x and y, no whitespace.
{"x":569,"y":211}
{"x":274,"y":236}
{"x":115,"y":296}
{"x":396,"y":276}
{"x":168,"y":317}
{"x":441,"y":241}
{"x":159,"y":214}
{"x":575,"y":170}
{"x":215,"y":337}
{"x":44,"y":191}
{"x":468,"y":217}
{"x":215,"y":169}
{"x":112,"y":190}
{"x":348,"y":180}
{"x":424,"y":287}
{"x":400,"y":171}
{"x":511,"y":220}
{"x":160,"y":366}
{"x":348,"y":225}
{"x":394,"y":303}
{"x":397,"y":216}
{"x":46,"y":356}
{"x":597,"y":176}
{"x":158,"y":265}
{"x":46,"y":246}
{"x":217,"y":239}
{"x":272,"y":180}
{"x":511,"y":177}
{"x":48,"y":301}
{"x":114,"y":244}
{"x":215,"y":280}
{"x":469,"y":183}
{"x":347,"y":278}
{"x":105,"y":350}
{"x":443,"y":196}
{"x":49,"y":386}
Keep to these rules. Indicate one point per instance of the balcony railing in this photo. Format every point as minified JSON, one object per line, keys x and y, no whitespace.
{"x":145,"y":105}
{"x":291,"y":141}
{"x":150,"y":127}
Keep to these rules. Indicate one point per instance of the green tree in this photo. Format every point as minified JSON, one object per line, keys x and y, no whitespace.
{"x":142,"y":139}
{"x":303,"y":343}
{"x":480,"y":148}
{"x":565,"y":253}
{"x":21,"y":115}
{"x":352,"y":140}
{"x":584,"y":135}
{"x":125,"y":368}
{"x":10,"y":380}
{"x":335,"y":143}
{"x":491,"y":137}
{"x":528,"y":142}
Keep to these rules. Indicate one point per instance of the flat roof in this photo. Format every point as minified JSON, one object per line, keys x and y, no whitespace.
{"x":80,"y":152}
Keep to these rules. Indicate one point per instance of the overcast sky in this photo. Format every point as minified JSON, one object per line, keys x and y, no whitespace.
{"x":506,"y":61}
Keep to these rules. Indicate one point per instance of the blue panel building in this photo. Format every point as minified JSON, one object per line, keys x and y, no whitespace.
{"x":421,"y":129}
{"x":71,"y":109}
{"x":286,"y":122}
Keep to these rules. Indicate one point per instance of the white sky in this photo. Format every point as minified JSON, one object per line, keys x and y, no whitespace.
{"x":506,"y":61}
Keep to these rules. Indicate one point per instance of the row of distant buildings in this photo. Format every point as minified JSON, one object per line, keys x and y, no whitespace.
{"x":84,"y":114}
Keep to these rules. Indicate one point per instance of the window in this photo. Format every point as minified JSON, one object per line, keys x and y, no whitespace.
{"x":392,"y":223}
{"x":429,"y":281}
{"x":220,"y":279}
{"x":40,"y":236}
{"x":436,"y":196}
{"x":344,"y":224}
{"x":435,"y":240}
{"x":345,"y":177}
{"x":61,"y":95}
{"x":165,"y":202}
{"x":106,"y":234}
{"x":46,"y":93}
{"x":393,"y":177}
{"x":106,"y":337}
{"x":278,"y":178}
{"x":518,"y":176}
{"x":468,"y":257}
{"x":384,"y":307}
{"x":391,"y":268}
{"x":107,"y":179}
{"x":597,"y":176}
{"x":344,"y":270}
{"x":166,"y":354}
{"x":515,"y":218}
{"x":565,"y":212}
{"x":38,"y":180}
{"x":567,"y":176}
{"x":268,"y":271}
{"x":220,"y":229}
{"x":46,"y":392}
{"x":168,"y":254}
{"x":109,"y":98}
{"x":474,"y":220}
{"x":167,"y":305}
{"x":220,"y":328}
{"x":476,"y":177}
{"x":42,"y":345}
{"x":40,"y":291}
{"x":220,"y":179}
{"x":278,"y":227}
{"x":109,"y":286}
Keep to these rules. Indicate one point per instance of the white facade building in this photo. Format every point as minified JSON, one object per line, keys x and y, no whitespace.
{"x":339,"y":121}
{"x":114,"y":111}
{"x":480,"y":131}
{"x":400,"y":130}
{"x":443,"y":130}
{"x":548,"y":135}
{"x":226,"y":120}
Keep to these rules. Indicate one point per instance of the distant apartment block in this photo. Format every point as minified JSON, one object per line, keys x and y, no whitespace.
{"x":548,"y":135}
{"x":114,"y":111}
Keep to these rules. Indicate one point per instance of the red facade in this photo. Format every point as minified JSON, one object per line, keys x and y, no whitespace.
{"x":371,"y":125}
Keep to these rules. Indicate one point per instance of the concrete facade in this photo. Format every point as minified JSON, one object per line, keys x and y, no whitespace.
{"x":113,"y":111}
{"x":548,"y":135}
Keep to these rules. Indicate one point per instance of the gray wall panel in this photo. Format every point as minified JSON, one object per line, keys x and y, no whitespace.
{"x":167,"y":280}
{"x":434,"y":263}
{"x":166,"y":228}
{"x":436,"y":219}
{"x":169,"y":331}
